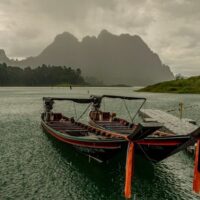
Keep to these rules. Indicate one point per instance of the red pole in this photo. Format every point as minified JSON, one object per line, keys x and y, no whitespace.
{"x":129,"y":170}
{"x":196,"y":180}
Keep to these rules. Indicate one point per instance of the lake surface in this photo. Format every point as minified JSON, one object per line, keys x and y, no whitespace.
{"x":34,"y":166}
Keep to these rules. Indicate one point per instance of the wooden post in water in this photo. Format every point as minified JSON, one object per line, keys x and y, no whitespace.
{"x":181,"y":109}
{"x":196,"y":180}
{"x":129,"y":170}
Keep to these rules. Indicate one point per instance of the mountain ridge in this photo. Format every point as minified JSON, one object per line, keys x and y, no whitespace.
{"x":114,"y":59}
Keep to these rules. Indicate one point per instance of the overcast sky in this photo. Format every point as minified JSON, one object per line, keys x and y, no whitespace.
{"x":171,"y":28}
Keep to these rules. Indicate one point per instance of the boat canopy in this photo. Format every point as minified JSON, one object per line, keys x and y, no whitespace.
{"x":97,"y":99}
{"x":123,"y":97}
{"x":76,"y":100}
{"x":92,"y":98}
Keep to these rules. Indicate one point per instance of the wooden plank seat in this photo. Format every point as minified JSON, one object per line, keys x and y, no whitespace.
{"x":121,"y":126}
{"x":62,"y":125}
{"x":119,"y":129}
{"x":125,"y":131}
{"x":130,"y":129}
{"x":60,"y":122}
{"x":65,"y":126}
{"x":71,"y":130}
{"x":77,"y":133}
{"x":103,"y":122}
{"x":112,"y":123}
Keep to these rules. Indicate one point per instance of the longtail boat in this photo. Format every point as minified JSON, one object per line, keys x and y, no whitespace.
{"x":155,"y":147}
{"x":101,"y":142}
{"x":94,"y":142}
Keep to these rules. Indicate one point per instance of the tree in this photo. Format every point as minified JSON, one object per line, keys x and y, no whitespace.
{"x":41,"y":76}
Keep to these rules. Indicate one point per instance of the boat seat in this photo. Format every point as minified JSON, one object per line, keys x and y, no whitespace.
{"x":80,"y":130}
{"x":115,"y":126}
{"x":57,"y":116}
{"x":108,"y":122}
{"x":106,"y":116}
{"x":94,"y":115}
{"x":77,"y":133}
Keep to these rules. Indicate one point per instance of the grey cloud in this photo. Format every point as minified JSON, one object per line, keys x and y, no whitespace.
{"x":170,"y":28}
{"x":178,"y":8}
{"x":188,"y":31}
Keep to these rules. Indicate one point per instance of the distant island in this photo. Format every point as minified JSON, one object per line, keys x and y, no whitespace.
{"x":111,"y":59}
{"x":41,"y":76}
{"x":189,"y":85}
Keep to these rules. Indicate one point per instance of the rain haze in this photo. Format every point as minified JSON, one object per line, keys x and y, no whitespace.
{"x":100,"y":99}
{"x":170,"y":28}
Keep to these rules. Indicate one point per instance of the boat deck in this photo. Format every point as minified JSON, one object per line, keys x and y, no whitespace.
{"x":73,"y":129}
{"x":173,"y":124}
{"x":115,"y":126}
{"x":68,"y":127}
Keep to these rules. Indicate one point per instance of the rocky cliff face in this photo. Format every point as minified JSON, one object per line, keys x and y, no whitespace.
{"x":3,"y":57}
{"x":122,"y":59}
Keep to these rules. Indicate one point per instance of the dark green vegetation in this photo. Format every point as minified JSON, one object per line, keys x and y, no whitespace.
{"x":41,"y":76}
{"x":190,"y":85}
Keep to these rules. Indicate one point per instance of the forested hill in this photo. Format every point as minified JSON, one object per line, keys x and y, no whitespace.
{"x":189,"y":85}
{"x":40,"y":76}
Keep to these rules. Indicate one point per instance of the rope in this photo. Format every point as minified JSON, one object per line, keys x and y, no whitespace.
{"x":132,"y":118}
{"x":183,"y":146}
{"x":75,"y":109}
{"x":185,"y":107}
{"x":138,"y":111}
{"x":104,"y":105}
{"x":127,"y":110}
{"x":146,"y":154}
{"x":83,"y":112}
{"x":120,"y":109}
{"x":179,"y":148}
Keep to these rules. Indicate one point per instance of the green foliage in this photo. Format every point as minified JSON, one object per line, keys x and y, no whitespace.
{"x":41,"y":76}
{"x":190,"y":85}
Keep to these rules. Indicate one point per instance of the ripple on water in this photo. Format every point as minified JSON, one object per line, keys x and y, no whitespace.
{"x":33,"y":166}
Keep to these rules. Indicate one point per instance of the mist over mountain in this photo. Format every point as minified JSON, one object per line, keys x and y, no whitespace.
{"x":3,"y":57}
{"x":113,"y":59}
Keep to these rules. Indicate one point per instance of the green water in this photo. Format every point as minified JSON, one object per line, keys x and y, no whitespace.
{"x":33,"y":166}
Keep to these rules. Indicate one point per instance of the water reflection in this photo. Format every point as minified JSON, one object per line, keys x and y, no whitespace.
{"x":33,"y":166}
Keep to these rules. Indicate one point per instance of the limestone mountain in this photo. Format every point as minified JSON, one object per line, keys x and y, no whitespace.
{"x":114,"y":59}
{"x":3,"y":57}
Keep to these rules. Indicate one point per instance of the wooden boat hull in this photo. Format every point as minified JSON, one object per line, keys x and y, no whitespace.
{"x":100,"y":151}
{"x":111,"y":134}
{"x":153,"y":148}
{"x":157,"y":149}
{"x":101,"y":145}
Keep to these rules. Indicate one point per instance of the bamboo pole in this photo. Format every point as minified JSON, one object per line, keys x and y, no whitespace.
{"x":196,"y":180}
{"x":129,"y":170}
